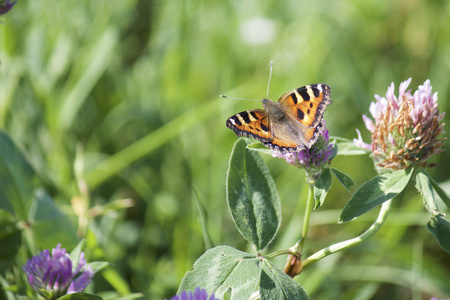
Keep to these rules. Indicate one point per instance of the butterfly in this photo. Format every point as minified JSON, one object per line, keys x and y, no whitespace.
{"x":291,"y":124}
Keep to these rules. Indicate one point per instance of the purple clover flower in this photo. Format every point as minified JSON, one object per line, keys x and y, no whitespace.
{"x":313,"y":159}
{"x":6,"y":6}
{"x":406,"y":129}
{"x":53,"y":273}
{"x":198,"y":294}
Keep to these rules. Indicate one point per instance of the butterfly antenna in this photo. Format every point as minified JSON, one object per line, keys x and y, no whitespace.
{"x":236,"y":98}
{"x":270,"y":76}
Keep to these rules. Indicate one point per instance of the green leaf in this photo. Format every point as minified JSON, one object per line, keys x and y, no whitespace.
{"x":349,"y":148}
{"x":321,"y":187}
{"x":94,"y":63}
{"x":50,"y":225}
{"x":252,"y":197}
{"x":343,"y":178}
{"x":116,"y":280}
{"x":113,"y":295}
{"x":423,"y":185}
{"x":339,"y":139}
{"x":8,"y":288}
{"x":16,"y":179}
{"x":11,"y":236}
{"x":274,"y":284}
{"x":222,"y":268}
{"x":259,"y":147}
{"x":440,"y":228}
{"x":80,"y":296}
{"x":202,"y":218}
{"x":75,"y":254}
{"x":46,"y":293}
{"x":374,"y":192}
{"x":442,"y":194}
{"x":97,"y":266}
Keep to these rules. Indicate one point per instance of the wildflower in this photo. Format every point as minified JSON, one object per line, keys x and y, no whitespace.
{"x":313,"y":159}
{"x":406,"y":129}
{"x":54,"y":273}
{"x":198,"y":294}
{"x":6,"y":6}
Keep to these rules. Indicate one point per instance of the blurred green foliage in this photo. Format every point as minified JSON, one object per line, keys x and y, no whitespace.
{"x":115,"y":100}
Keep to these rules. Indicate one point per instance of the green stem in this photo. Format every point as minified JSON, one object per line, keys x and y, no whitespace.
{"x":277,"y":253}
{"x":308,"y":211}
{"x":351,"y":242}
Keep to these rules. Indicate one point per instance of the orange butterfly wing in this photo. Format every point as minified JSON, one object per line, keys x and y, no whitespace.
{"x":282,"y":144}
{"x":304,"y":107}
{"x":307,"y":104}
{"x":251,"y":123}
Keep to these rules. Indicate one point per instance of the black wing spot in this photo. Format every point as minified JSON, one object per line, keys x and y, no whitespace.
{"x":236,"y":121}
{"x":310,"y":105}
{"x":300,"y":114}
{"x":294,"y":97}
{"x":264,"y":127}
{"x":245,"y":117}
{"x":315,"y":90}
{"x":304,"y":93}
{"x":254,"y":115}
{"x":308,"y":112}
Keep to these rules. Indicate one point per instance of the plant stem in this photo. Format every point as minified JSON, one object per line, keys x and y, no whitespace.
{"x":277,"y":253}
{"x":308,"y":210}
{"x":351,"y":242}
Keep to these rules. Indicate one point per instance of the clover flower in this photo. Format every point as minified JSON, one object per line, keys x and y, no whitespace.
{"x":54,"y":274}
{"x":198,"y":294}
{"x":406,"y":129}
{"x":6,"y":6}
{"x":313,"y":159}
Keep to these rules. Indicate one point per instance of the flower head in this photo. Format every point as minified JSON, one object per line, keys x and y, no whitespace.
{"x":198,"y":294}
{"x":6,"y":6}
{"x":406,"y":129}
{"x":313,"y":159}
{"x":54,"y":273}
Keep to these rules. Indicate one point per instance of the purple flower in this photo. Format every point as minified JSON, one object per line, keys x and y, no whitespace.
{"x":54,"y":273}
{"x":405,"y":131}
{"x":198,"y":294}
{"x":313,"y":159}
{"x":6,"y":6}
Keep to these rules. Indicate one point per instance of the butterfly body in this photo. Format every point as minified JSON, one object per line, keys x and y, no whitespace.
{"x":291,"y":124}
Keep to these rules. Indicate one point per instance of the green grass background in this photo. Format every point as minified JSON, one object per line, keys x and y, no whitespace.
{"x":124,"y":96}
